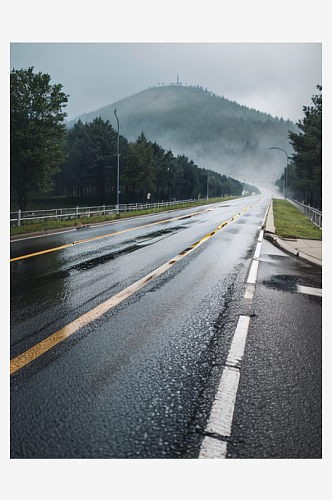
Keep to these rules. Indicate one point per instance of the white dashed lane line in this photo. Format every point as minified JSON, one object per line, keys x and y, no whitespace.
{"x":219,"y":426}
{"x":221,"y":417}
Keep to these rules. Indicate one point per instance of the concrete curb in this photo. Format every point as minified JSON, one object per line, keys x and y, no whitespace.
{"x":269,"y":219}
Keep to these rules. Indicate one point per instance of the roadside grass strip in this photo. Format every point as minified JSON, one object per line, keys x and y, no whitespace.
{"x":291,"y":223}
{"x":45,"y":345}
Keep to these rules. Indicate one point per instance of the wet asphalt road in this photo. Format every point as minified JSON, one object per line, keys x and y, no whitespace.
{"x":139,"y":381}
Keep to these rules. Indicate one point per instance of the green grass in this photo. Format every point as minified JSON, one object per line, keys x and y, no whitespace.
{"x":46,"y":226}
{"x":291,"y":223}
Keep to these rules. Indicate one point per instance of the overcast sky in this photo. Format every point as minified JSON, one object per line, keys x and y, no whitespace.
{"x":276,"y":78}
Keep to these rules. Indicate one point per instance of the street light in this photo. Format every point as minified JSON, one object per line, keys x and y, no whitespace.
{"x":118,"y":173}
{"x":207,"y":186}
{"x":168,"y":182}
{"x":287,"y":157}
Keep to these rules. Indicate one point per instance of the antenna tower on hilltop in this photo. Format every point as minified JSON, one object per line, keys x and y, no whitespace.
{"x":177,"y":80}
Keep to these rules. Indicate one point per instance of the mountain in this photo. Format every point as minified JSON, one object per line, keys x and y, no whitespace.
{"x":214,"y":132}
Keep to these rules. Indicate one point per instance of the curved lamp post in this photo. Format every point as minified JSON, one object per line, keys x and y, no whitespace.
{"x":118,"y":173}
{"x":287,"y":157}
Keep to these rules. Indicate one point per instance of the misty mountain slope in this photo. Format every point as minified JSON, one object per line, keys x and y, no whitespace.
{"x":214,"y":132}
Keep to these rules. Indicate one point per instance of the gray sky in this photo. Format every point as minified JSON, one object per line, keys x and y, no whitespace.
{"x":276,"y":78}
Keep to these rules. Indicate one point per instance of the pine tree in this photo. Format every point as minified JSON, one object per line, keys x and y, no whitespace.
{"x":308,"y":146}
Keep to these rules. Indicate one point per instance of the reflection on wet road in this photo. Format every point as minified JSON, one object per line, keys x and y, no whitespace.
{"x":128,"y":334}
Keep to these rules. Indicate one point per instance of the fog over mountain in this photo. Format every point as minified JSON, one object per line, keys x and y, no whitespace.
{"x":214,"y":132}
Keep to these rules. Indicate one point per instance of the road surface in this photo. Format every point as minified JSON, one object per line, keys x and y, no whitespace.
{"x":120,"y":336}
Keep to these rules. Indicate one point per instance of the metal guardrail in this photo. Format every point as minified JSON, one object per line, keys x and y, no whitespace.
{"x":314,"y":215}
{"x":34,"y":217}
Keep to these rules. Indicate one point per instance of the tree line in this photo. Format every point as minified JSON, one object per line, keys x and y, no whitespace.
{"x":81,"y":161}
{"x":90,"y":172}
{"x":304,"y":173}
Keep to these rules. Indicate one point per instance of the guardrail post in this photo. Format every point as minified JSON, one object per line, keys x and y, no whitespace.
{"x":19,"y":218}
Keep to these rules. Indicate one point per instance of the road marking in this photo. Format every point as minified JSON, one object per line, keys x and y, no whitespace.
{"x":40,"y":253}
{"x":253,"y":272}
{"x":42,"y":235}
{"x":258,"y":250}
{"x":250,"y":291}
{"x":250,"y":288}
{"x":65,"y":332}
{"x":309,"y":290}
{"x":125,"y":231}
{"x":45,"y":345}
{"x":221,"y":417}
{"x":111,"y":234}
{"x":236,"y":352}
{"x":213,"y":448}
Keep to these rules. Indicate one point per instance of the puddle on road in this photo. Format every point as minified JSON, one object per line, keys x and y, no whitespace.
{"x":158,"y":234}
{"x":30,"y":284}
{"x":289,"y":283}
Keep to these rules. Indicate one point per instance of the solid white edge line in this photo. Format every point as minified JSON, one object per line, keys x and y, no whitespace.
{"x":42,"y":235}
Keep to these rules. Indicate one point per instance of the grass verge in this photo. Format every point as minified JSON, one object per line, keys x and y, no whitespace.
{"x":291,"y":223}
{"x":48,"y":226}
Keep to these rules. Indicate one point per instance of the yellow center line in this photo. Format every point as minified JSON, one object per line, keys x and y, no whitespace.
{"x":45,"y":345}
{"x":39,"y":253}
{"x":111,"y":234}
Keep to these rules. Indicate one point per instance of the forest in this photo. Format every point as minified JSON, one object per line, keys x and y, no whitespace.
{"x":89,"y":174}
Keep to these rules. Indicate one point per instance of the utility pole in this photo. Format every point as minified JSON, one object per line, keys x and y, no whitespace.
{"x":118,"y":172}
{"x":207,"y":186}
{"x":168,"y":182}
{"x":286,"y":172}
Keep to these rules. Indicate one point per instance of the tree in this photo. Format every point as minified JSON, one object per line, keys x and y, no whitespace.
{"x":90,"y":172}
{"x":37,"y":134}
{"x":308,"y":147}
{"x":139,"y":172}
